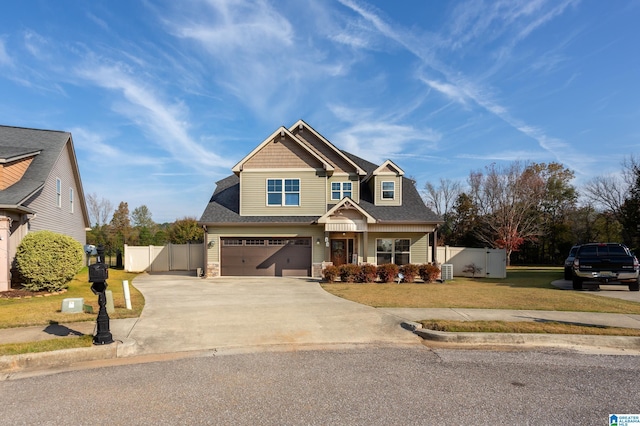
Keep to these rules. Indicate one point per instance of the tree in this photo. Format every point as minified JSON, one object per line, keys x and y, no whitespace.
{"x":461,"y":223}
{"x":508,"y":200}
{"x":98,"y":209}
{"x":121,"y":225}
{"x":141,"y":217}
{"x":442,"y":198}
{"x":186,"y":230}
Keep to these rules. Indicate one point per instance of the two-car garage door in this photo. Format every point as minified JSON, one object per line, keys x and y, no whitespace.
{"x":265,"y":256}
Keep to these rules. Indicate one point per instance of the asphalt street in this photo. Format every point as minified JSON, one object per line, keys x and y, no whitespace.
{"x":362,"y":385}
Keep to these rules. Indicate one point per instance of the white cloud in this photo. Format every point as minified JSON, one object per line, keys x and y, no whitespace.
{"x":164,"y":122}
{"x":5,"y":59}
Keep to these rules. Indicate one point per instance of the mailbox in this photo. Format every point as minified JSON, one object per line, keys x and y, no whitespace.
{"x":98,"y":272}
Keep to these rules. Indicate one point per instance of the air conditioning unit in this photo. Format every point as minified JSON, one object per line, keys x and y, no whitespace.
{"x":447,"y":271}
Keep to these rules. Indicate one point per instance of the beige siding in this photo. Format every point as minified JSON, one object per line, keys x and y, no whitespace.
{"x":51,"y":217}
{"x":419,"y":246}
{"x":316,"y":232}
{"x":12,"y":172}
{"x":282,"y":153}
{"x":253,"y":193}
{"x":355,"y":187}
{"x":397,"y":201}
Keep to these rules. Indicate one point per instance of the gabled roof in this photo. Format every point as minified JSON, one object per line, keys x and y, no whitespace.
{"x":283,"y":132}
{"x":348,"y":203}
{"x":300,"y":125}
{"x":46,"y":146}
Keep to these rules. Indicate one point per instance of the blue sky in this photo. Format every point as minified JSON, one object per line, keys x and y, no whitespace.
{"x":164,"y":97}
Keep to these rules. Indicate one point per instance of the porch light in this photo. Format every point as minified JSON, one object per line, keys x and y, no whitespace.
{"x":318,"y":241}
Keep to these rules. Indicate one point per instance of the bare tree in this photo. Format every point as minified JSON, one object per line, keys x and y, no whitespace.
{"x":508,"y":200}
{"x":442,"y":198}
{"x":99,"y":209}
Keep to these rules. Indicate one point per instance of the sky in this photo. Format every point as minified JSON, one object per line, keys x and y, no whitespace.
{"x":163,"y":97}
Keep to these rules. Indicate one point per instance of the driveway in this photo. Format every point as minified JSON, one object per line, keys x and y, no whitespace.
{"x":184,"y":313}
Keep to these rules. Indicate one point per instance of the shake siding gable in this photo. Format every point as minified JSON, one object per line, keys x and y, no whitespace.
{"x":325,"y":151}
{"x":12,"y":172}
{"x":253,"y":193}
{"x":44,"y":202}
{"x":282,"y":153}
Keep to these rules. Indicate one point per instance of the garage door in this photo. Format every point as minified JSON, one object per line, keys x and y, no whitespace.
{"x":275,"y":257}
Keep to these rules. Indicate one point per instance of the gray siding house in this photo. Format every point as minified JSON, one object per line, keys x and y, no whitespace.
{"x":297,"y":203}
{"x":40,"y":189}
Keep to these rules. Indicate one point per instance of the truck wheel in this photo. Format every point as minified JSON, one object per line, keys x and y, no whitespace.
{"x":634,"y":286}
{"x":567,"y":274}
{"x":577,"y":283}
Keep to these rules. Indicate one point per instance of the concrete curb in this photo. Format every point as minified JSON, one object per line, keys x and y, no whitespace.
{"x":532,"y":339}
{"x":66,"y":357}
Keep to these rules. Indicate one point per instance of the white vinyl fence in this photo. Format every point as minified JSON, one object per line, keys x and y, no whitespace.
{"x":492,"y":261}
{"x":171,"y":257}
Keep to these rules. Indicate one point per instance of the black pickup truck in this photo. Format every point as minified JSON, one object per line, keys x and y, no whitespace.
{"x":607,"y":263}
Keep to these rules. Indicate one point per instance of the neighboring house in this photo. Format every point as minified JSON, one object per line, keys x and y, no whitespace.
{"x":40,"y":189}
{"x":296,"y":203}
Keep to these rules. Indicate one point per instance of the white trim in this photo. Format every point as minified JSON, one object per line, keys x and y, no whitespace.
{"x":382,"y":190}
{"x":58,"y":193}
{"x":283,"y":192}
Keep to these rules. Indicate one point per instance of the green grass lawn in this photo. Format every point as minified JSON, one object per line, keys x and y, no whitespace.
{"x":47,"y":310}
{"x":524,"y":288}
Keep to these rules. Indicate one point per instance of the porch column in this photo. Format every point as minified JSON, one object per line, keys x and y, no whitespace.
{"x":327,"y":247}
{"x":434,"y":252}
{"x":5,"y":267}
{"x":365,"y":244}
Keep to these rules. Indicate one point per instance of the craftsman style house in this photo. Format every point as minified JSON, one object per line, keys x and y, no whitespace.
{"x":40,"y":189}
{"x":296,"y":203}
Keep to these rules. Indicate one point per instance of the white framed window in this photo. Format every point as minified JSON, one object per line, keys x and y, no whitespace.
{"x":283,"y":192}
{"x":71,"y":200}
{"x":339,"y":190}
{"x":58,"y":193}
{"x":388,"y":190}
{"x":393,"y":251}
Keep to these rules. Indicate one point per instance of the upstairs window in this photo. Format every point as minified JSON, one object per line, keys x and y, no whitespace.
{"x":339,"y":190}
{"x":71,"y":200}
{"x":283,"y":192}
{"x":58,"y":193}
{"x":388,"y":190}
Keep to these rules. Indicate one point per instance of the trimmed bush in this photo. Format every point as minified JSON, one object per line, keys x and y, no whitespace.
{"x":368,"y":273}
{"x":330,"y":273}
{"x":410,"y":272}
{"x":349,"y":273}
{"x":47,"y":261}
{"x":387,"y":272}
{"x":428,"y":272}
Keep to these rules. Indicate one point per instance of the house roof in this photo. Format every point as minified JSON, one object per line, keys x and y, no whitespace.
{"x":224,"y":205}
{"x":46,"y":146}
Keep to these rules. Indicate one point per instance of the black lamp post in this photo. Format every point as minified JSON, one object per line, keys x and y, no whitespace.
{"x":98,"y":274}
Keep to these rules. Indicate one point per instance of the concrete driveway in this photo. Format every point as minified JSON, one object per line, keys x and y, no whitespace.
{"x":184,"y":313}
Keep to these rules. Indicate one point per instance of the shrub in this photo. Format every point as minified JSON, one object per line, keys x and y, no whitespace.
{"x":387,"y":272}
{"x":472,"y":269}
{"x":368,"y":273}
{"x":428,"y":272}
{"x":48,"y":261}
{"x":349,"y":273}
{"x":330,"y":273}
{"x":410,"y":272}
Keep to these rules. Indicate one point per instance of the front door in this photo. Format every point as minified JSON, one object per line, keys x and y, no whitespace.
{"x":341,"y":251}
{"x":338,"y":252}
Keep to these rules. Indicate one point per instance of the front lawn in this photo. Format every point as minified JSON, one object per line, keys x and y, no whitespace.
{"x":47,"y":310}
{"x":524,"y":288}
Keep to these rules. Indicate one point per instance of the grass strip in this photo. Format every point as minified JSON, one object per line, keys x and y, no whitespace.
{"x":551,"y":327}
{"x":46,"y":345}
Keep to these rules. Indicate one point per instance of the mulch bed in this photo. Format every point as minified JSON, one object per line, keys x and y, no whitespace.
{"x":15,"y":293}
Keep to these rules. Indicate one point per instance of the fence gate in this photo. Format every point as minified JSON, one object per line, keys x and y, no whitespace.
{"x":171,"y":257}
